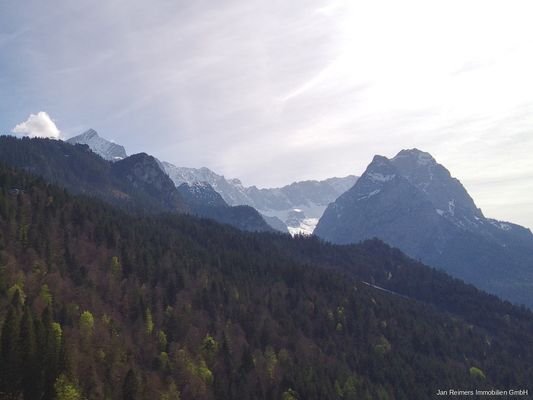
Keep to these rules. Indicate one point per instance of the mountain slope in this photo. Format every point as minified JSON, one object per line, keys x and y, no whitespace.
{"x":413,"y":203}
{"x":104,"y":148}
{"x":143,"y":173}
{"x":151,"y":306}
{"x":205,"y":202}
{"x":276,"y":205}
{"x":82,"y":171}
{"x":136,"y":183}
{"x":309,"y":197}
{"x":231,"y":191}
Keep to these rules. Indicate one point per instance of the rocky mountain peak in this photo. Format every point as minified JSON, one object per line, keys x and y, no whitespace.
{"x":380,"y":170}
{"x":89,"y":134}
{"x":143,"y":171}
{"x":275,"y":204}
{"x":445,"y":192}
{"x":412,"y":202}
{"x":103,"y":147}
{"x":419,"y":157}
{"x":201,"y":194}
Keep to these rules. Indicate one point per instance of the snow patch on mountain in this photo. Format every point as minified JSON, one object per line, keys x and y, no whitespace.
{"x":378,"y":177}
{"x":369,"y":195}
{"x":306,"y":227}
{"x":451,"y":207}
{"x":500,"y":225}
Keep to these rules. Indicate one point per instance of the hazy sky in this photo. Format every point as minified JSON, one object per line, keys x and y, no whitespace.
{"x":272,"y":91}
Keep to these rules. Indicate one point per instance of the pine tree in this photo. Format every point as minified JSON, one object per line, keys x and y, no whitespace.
{"x":10,"y":365}
{"x":130,"y":388}
{"x":30,"y":373}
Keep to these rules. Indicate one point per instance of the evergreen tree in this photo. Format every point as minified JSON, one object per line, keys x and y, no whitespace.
{"x":31,"y":372}
{"x":130,"y":388}
{"x":10,"y":355}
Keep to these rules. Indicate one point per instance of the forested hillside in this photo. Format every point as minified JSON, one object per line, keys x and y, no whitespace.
{"x":96,"y":304}
{"x":136,"y":184}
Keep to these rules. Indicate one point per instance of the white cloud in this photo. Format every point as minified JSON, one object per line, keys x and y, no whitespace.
{"x":38,"y":125}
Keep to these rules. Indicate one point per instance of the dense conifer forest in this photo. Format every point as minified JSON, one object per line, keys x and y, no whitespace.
{"x":96,"y":303}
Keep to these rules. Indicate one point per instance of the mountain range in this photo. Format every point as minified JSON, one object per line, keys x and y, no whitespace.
{"x":135,"y":183}
{"x":295,"y":207}
{"x":115,"y":283}
{"x":308,"y":199}
{"x":412,"y":202}
{"x":409,"y":201}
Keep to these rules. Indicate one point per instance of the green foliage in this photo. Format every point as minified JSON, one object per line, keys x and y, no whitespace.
{"x":383,"y":346}
{"x":209,"y":346}
{"x":66,"y":389}
{"x":87,"y":323}
{"x":45,"y":294}
{"x":477,"y":373}
{"x":163,"y":361}
{"x":172,"y":393}
{"x":271,"y":361}
{"x":289,"y":395}
{"x":116,"y":267}
{"x":149,"y":322}
{"x":57,"y":334}
{"x":162,"y":339}
{"x":16,"y":294}
{"x":350,"y":388}
{"x":204,"y":373}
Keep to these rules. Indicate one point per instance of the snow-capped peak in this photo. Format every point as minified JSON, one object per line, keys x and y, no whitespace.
{"x":104,"y":148}
{"x":88,"y":135}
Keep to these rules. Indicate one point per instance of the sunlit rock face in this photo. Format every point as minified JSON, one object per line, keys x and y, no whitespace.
{"x":103,"y":147}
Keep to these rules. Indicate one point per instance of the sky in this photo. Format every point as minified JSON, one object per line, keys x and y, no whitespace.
{"x":273,"y":91}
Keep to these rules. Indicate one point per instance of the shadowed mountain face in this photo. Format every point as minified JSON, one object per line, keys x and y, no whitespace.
{"x":413,"y":203}
{"x":137,"y":183}
{"x":205,"y":202}
{"x":143,"y":173}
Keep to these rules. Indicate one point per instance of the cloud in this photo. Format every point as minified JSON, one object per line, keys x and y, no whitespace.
{"x":38,"y":125}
